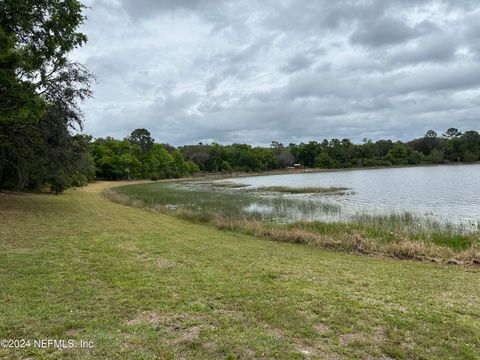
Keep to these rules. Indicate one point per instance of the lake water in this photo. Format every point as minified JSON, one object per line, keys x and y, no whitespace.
{"x":448,"y":193}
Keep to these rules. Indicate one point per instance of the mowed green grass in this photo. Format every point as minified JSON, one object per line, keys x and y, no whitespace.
{"x":144,"y":285}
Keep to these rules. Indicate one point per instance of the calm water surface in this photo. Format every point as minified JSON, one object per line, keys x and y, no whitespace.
{"x":449,"y":193}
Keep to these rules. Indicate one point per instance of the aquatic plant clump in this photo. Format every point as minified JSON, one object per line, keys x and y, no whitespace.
{"x":306,"y":190}
{"x":228,"y":185}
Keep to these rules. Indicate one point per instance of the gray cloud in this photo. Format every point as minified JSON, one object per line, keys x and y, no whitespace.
{"x":244,"y":71}
{"x":436,"y":48}
{"x":472,"y":32}
{"x":150,"y":8}
{"x":383,"y":31}
{"x":297,"y":62}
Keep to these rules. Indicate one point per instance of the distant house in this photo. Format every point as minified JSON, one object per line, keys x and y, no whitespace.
{"x":296,"y":166}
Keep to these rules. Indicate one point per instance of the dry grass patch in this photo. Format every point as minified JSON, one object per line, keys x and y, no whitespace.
{"x":147,"y":317}
{"x":401,"y":248}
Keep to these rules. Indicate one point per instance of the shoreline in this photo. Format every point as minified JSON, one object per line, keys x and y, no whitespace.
{"x":224,"y":176}
{"x":313,"y":170}
{"x":382,"y":236}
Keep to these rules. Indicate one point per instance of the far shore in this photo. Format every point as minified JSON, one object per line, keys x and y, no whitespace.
{"x":312,"y":170}
{"x":220,"y":175}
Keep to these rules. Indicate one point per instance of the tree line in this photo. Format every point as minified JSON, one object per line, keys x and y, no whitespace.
{"x":40,"y":120}
{"x":452,"y":146}
{"x":138,"y":156}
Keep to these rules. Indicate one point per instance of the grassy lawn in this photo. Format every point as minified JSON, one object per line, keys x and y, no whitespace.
{"x":145,"y":285}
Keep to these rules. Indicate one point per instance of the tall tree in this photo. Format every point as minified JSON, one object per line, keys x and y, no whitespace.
{"x":142,"y":138}
{"x":452,"y":133}
{"x":40,"y":88}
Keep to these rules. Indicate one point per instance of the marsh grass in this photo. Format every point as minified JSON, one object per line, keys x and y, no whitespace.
{"x":437,"y":247}
{"x":306,"y":190}
{"x":232,"y":204}
{"x":399,"y":235}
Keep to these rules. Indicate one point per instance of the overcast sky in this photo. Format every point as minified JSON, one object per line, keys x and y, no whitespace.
{"x":295,"y":70}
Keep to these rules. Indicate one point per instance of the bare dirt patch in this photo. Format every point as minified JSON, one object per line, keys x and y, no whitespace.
{"x":353,"y":337}
{"x":147,"y":317}
{"x":163,"y":263}
{"x":322,"y":329}
{"x":177,"y":329}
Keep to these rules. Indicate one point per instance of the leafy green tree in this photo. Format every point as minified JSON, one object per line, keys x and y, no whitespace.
{"x":39,"y":35}
{"x":436,"y":157}
{"x":226,"y":167}
{"x":40,"y":90}
{"x":192,"y":167}
{"x":306,"y":153}
{"x":382,"y":147}
{"x":129,"y":165}
{"x":159,"y":163}
{"x":455,"y":149}
{"x":19,"y":103}
{"x":323,"y":160}
{"x":398,"y":155}
{"x":471,"y":141}
{"x":469,"y":156}
{"x":142,"y":138}
{"x":415,"y":157}
{"x":366,"y":150}
{"x":180,"y":167}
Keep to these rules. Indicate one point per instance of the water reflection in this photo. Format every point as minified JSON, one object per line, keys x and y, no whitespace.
{"x":447,"y":194}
